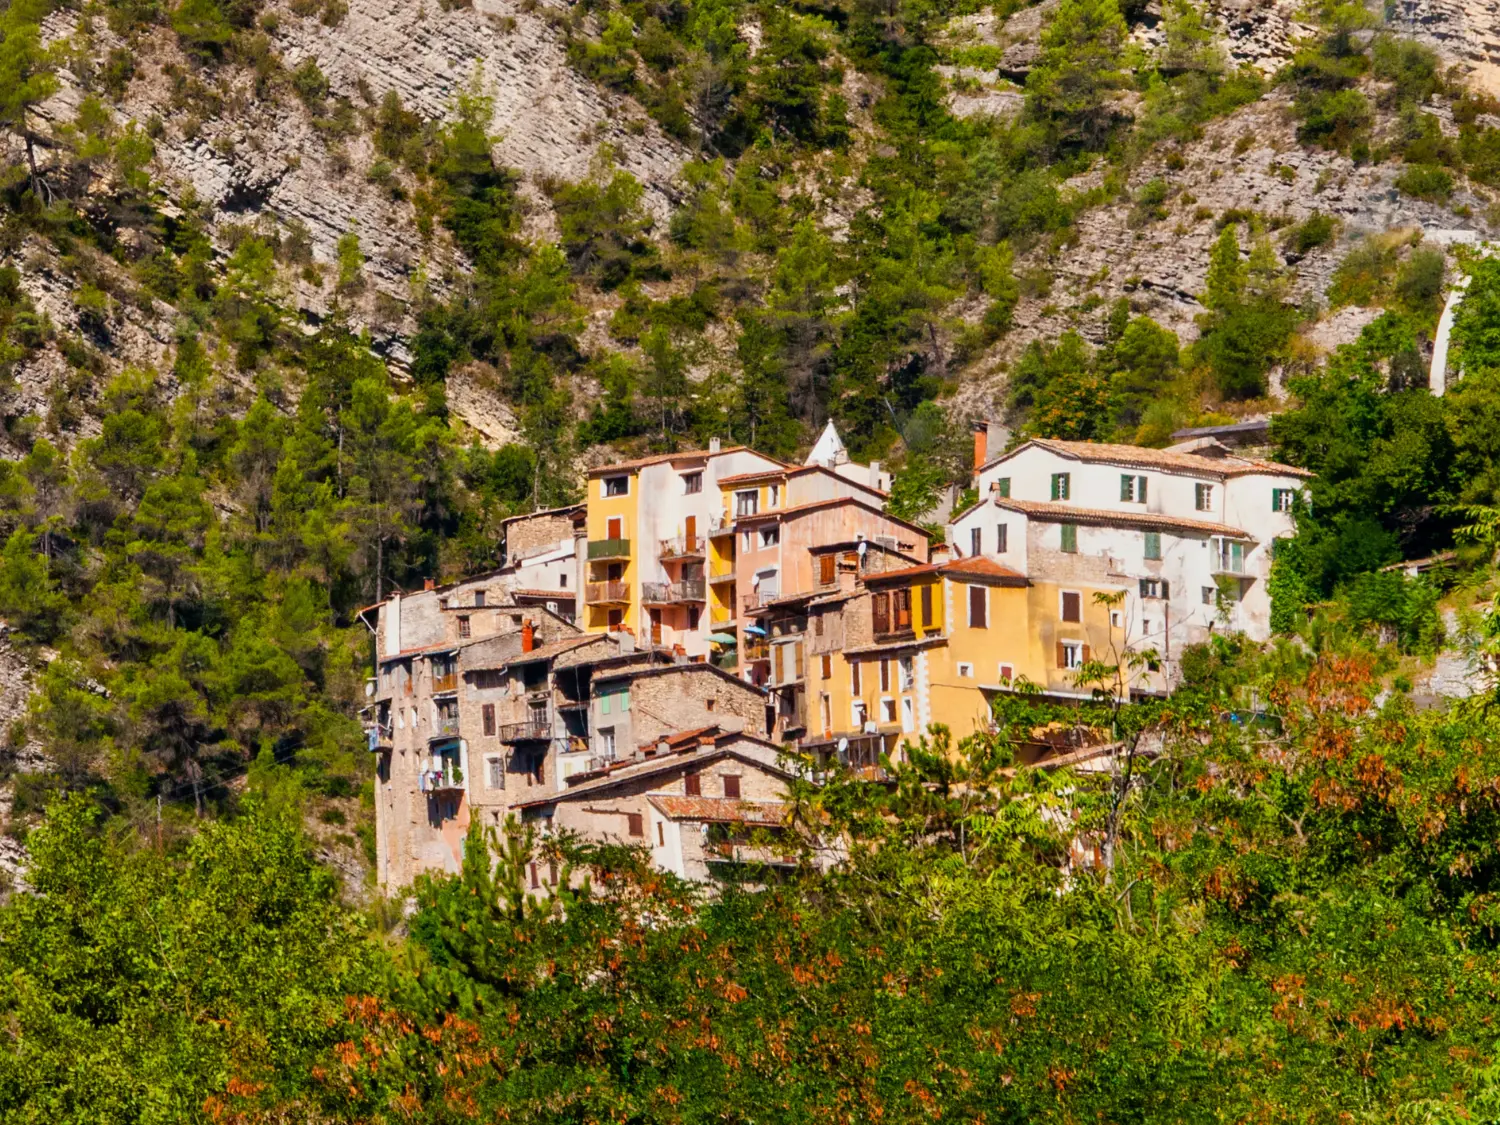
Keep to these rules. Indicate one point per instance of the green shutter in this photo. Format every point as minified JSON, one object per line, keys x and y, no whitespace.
{"x":1070,"y":538}
{"x":1059,"y":486}
{"x":625,"y":701}
{"x":604,"y":703}
{"x":1153,"y":544}
{"x":1140,"y":490}
{"x":1127,"y":488}
{"x":1002,"y":486}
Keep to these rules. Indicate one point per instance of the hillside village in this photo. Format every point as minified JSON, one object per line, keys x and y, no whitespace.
{"x":649,"y":664}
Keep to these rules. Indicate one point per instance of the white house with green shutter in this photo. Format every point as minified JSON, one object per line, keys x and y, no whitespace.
{"x":1187,"y":532}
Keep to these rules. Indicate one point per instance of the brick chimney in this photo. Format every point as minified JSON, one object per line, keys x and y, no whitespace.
{"x":429,"y":583}
{"x":981,"y":445}
{"x":528,"y":635}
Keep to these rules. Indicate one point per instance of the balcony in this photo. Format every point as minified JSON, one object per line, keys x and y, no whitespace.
{"x":609,"y":549}
{"x":756,"y":650}
{"x":607,"y":593}
{"x":672,"y":593}
{"x":722,"y":525}
{"x":448,"y":682}
{"x":532,"y":730}
{"x":860,"y":752}
{"x":446,"y":779}
{"x":681,"y":547}
{"x":726,"y":576}
{"x":760,"y":599}
{"x":444,"y":726}
{"x":379,"y":737}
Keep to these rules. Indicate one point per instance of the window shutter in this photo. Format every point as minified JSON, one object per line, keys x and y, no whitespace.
{"x":1062,"y":655}
{"x":827,"y":667}
{"x":1003,"y":487}
{"x":978,"y":597}
{"x":1166,"y":591}
{"x":1002,"y":539}
{"x":488,"y":712}
{"x":880,"y":607}
{"x":1127,"y":488}
{"x":732,"y":787}
{"x":1145,"y":587}
{"x":1140,"y":489}
{"x":976,"y":547}
{"x":1072,"y":607}
{"x":826,"y":571}
{"x":634,"y":825}
{"x":797,"y":652}
{"x":885,"y":675}
{"x":1068,"y":536}
{"x":692,"y":785}
{"x":1085,"y":654}
{"x":927,"y":607}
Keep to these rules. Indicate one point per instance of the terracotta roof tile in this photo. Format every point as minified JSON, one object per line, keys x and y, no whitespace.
{"x":1228,"y":465}
{"x":722,"y":810}
{"x":1052,"y":512}
{"x":746,"y":478}
{"x":982,"y":567}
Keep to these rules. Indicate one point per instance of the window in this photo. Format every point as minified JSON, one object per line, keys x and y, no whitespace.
{"x":818,"y":625}
{"x":489,"y":678}
{"x":494,"y":772}
{"x":965,"y":671}
{"x":880,"y":612}
{"x":732,"y":786}
{"x":885,"y":675}
{"x":1002,"y":538}
{"x":488,"y":714}
{"x":908,"y":669}
{"x":1282,"y":499}
{"x":901,"y":610}
{"x":770,"y":536}
{"x":1153,"y":545}
{"x":854,"y":685}
{"x":692,"y":785}
{"x":1007,"y":673}
{"x":1154,"y":588}
{"x":478,"y":599}
{"x":1060,"y":486}
{"x":535,"y":882}
{"x":979,"y":604}
{"x":1071,"y":654}
{"x":1002,"y":486}
{"x":887,"y":710}
{"x":747,"y":540}
{"x":976,"y":543}
{"x":1208,"y":594}
{"x":1132,"y":489}
{"x":1203,"y":495}
{"x":709,"y":704}
{"x":1231,"y":554}
{"x":562,"y":581}
{"x":746,"y":503}
{"x":464,"y":628}
{"x":616,"y":486}
{"x":773,"y":496}
{"x":633,"y":824}
{"x":695,"y":616}
{"x":1116,"y":619}
{"x":1068,"y":538}
{"x":1071,"y":608}
{"x":908,"y":715}
{"x":827,"y":669}
{"x":692,"y":483}
{"x":827,"y":570}
{"x":927,"y":607}
{"x":607,"y":742}
{"x":661,"y":836}
{"x":857,"y":713}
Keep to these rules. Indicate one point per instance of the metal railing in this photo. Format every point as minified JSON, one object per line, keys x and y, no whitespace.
{"x":602,"y":593}
{"x":759,"y":599}
{"x":532,"y":730}
{"x":757,"y":650}
{"x":445,"y":726}
{"x":682,"y":547}
{"x":609,"y":549}
{"x":670,"y":593}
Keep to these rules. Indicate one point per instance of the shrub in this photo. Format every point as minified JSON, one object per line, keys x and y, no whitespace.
{"x":1314,"y":231}
{"x":1426,"y":181}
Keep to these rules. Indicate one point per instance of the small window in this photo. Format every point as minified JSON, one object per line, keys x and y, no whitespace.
{"x":976,"y":542}
{"x":773,"y":496}
{"x":770,"y":536}
{"x":478,"y":599}
{"x":1061,"y":486}
{"x":979,"y":604}
{"x":818,"y":625}
{"x":692,"y":483}
{"x":1282,"y":499}
{"x":1150,"y":587}
{"x":965,"y":670}
{"x":1116,"y":619}
{"x":1070,"y":654}
{"x":488,"y":714}
{"x":908,"y":670}
{"x":661,"y":836}
{"x":464,"y":628}
{"x":562,"y":581}
{"x":854,"y":685}
{"x":633,"y":824}
{"x":535,"y":882}
{"x":927,"y":607}
{"x":710,"y":704}
{"x":692,"y":785}
{"x":1007,"y":673}
{"x":1002,"y":538}
{"x":887,"y":710}
{"x":607,"y":742}
{"x":494,"y":772}
{"x":1204,"y":497}
{"x":616,"y":486}
{"x":1153,"y":545}
{"x":747,"y":540}
{"x":1208,"y":594}
{"x":1002,"y":486}
{"x":731,"y":786}
{"x":827,"y":666}
{"x":1068,"y":538}
{"x":1132,"y":489}
{"x":1072,"y":606}
{"x":746,"y":503}
{"x":885,"y":675}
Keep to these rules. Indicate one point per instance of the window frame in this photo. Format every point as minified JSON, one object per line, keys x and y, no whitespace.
{"x":692,"y":483}
{"x":1002,"y":538}
{"x":1067,"y":538}
{"x":611,"y":487}
{"x":1002,"y":487}
{"x":1062,"y":606}
{"x":979,"y":595}
{"x":1062,"y":486}
{"x":1203,"y":497}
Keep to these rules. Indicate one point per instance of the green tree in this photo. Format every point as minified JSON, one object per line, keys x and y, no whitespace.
{"x":1067,"y":89}
{"x":26,"y":75}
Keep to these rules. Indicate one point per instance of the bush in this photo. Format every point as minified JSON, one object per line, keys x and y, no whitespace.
{"x":1333,"y":120}
{"x":1425,"y":181}
{"x":1314,"y":231}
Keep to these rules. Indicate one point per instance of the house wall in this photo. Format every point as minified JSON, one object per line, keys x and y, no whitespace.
{"x":526,"y":536}
{"x":601,"y":510}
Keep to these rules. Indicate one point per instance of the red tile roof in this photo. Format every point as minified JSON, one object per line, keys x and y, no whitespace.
{"x":982,"y":567}
{"x":746,"y":478}
{"x":1053,"y":512}
{"x":685,"y":455}
{"x":1227,"y":465}
{"x":721,"y":810}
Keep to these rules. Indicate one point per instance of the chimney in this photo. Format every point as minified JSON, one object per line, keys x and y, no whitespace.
{"x":713,"y":445}
{"x":981,"y":445}
{"x":429,"y":584}
{"x":528,"y":635}
{"x":940,"y":553}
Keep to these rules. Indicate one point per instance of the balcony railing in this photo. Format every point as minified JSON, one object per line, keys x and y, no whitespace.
{"x":606,"y":593}
{"x":722,"y":576}
{"x":760,"y":598}
{"x":682,"y":547}
{"x":436,"y":781}
{"x":672,"y":593}
{"x":379,"y":736}
{"x":532,"y":730}
{"x":448,"y":682}
{"x":757,"y":650}
{"x":722,"y":525}
{"x":609,"y":549}
{"x":860,"y":752}
{"x":445,"y":726}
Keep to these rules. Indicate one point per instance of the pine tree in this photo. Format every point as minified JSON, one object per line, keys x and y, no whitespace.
{"x":26,"y":75}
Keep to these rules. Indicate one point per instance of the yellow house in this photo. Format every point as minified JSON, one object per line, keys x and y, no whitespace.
{"x":611,"y":590}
